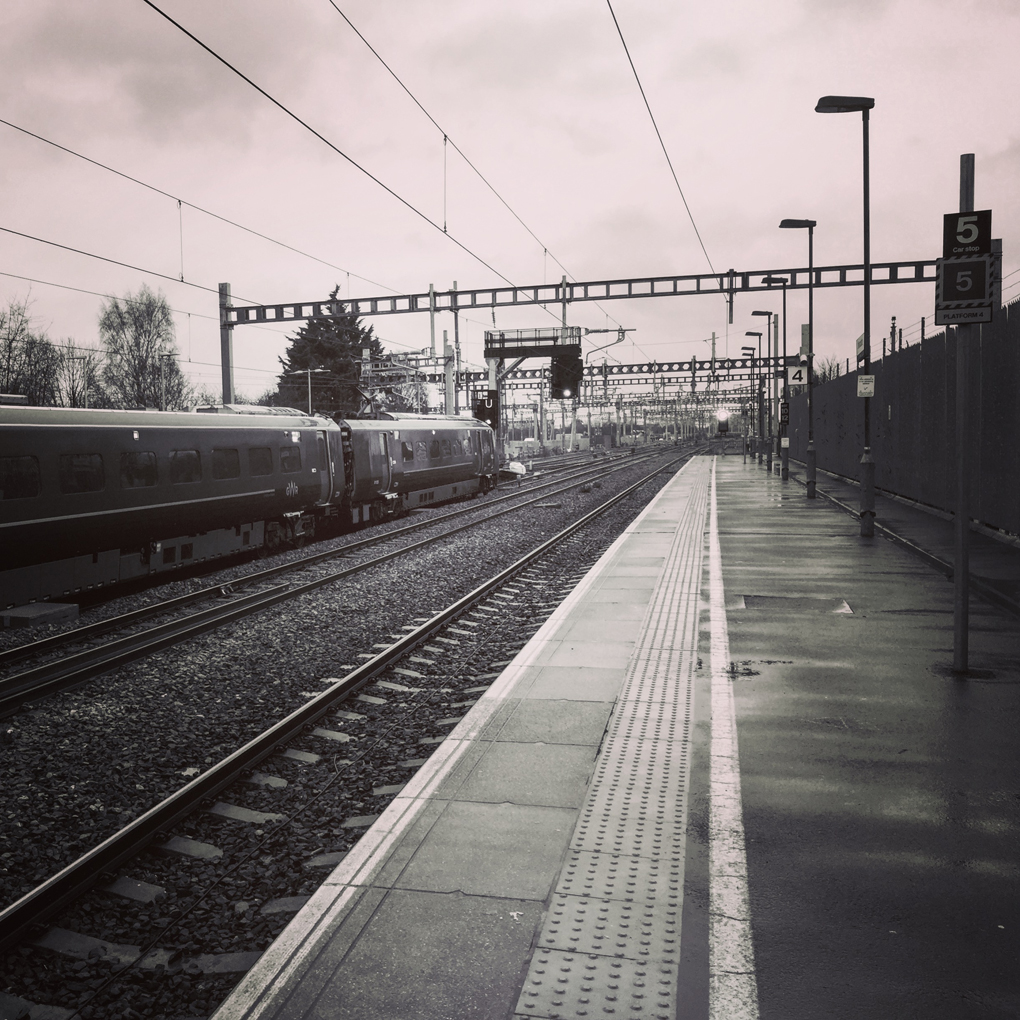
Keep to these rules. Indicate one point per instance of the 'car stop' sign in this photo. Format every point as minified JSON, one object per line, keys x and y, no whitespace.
{"x":963,"y":277}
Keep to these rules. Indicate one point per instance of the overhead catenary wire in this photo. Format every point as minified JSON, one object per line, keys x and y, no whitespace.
{"x":191,"y":205}
{"x":658,"y":134}
{"x":322,"y":138}
{"x":447,"y":140}
{"x":116,"y":262}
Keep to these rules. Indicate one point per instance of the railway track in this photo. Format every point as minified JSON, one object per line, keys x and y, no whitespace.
{"x":69,"y":669}
{"x":421,"y":694}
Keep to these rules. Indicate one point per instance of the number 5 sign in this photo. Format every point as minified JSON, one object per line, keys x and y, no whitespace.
{"x":967,"y":233}
{"x":963,"y":292}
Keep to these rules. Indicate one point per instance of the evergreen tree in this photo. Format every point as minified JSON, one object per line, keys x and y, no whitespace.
{"x":335,"y":344}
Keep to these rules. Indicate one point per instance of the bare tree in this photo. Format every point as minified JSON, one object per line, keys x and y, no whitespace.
{"x":137,"y":333}
{"x":826,"y":369}
{"x":77,"y":377}
{"x":27,"y":358}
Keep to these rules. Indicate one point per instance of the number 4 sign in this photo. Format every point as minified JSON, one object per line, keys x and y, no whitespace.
{"x":798,"y":375}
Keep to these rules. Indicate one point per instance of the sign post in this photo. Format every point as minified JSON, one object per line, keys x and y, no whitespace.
{"x":963,"y":298}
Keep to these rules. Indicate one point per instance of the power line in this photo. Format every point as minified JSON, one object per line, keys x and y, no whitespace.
{"x":103,"y":258}
{"x":459,"y":150}
{"x":179,"y":311}
{"x":658,"y":134}
{"x":191,"y":205}
{"x":446,"y":136}
{"x":322,"y":138}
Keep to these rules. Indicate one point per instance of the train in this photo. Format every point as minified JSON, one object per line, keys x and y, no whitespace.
{"x":92,"y":498}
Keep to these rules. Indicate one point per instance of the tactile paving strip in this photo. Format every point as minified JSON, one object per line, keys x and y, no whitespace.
{"x":610,"y":944}
{"x":569,"y":985}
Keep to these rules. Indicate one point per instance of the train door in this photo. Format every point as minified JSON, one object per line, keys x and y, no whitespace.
{"x":476,"y":450}
{"x":325,"y":478}
{"x":379,"y":460}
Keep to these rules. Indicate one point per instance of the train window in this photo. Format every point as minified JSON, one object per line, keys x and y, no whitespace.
{"x":260,"y":460}
{"x":446,"y":448}
{"x":137,"y":469}
{"x":82,"y":472}
{"x":407,"y":451}
{"x":323,"y":458}
{"x":421,"y":451}
{"x":290,"y":459}
{"x":185,"y":466}
{"x":19,"y":477}
{"x":226,"y":464}
{"x":434,"y":450}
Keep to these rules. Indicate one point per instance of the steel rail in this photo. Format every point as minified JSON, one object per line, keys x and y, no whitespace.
{"x":100,"y":627}
{"x":77,"y":877}
{"x":64,"y":674}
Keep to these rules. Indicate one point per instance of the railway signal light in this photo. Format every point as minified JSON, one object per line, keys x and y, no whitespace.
{"x":566,"y":375}
{"x":487,"y":408}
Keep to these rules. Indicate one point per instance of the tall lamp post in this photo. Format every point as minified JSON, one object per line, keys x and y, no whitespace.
{"x":862,"y":104}
{"x":759,"y":429}
{"x":809,"y":459}
{"x":768,"y":340}
{"x":308,"y":373}
{"x":784,"y":428}
{"x":748,"y":352}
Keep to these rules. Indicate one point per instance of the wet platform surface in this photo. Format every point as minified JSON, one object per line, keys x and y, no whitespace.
{"x":733,"y":776}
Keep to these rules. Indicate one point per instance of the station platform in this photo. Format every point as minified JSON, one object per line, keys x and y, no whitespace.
{"x":731,"y":777}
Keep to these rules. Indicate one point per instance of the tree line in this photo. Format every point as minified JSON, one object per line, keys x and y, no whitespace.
{"x":136,"y":363}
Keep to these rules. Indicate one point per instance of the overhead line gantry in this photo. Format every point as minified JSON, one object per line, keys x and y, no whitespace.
{"x":727,"y":284}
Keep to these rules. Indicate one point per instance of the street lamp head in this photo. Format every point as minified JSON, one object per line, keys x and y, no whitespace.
{"x":794,"y":224}
{"x":775,"y":280}
{"x":748,"y":352}
{"x":752,"y":333}
{"x":844,"y":104}
{"x":759,"y":313}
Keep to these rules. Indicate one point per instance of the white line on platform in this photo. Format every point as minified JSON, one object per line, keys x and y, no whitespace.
{"x":733,"y":987}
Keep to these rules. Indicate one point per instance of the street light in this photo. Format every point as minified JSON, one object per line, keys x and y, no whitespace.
{"x":759,"y":430}
{"x":783,"y":429}
{"x":768,"y":340}
{"x":748,"y":352}
{"x":853,"y":104}
{"x":308,"y":372}
{"x":809,"y":459}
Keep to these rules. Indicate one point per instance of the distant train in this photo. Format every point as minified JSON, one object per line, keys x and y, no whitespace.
{"x":92,"y":498}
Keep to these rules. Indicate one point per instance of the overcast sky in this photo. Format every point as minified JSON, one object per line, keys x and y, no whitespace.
{"x":539,"y":95}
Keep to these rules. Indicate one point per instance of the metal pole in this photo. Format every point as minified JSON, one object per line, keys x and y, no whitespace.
{"x":309,"y":391}
{"x":432,"y":317}
{"x":784,"y":429}
{"x":759,"y":440}
{"x":961,"y":519}
{"x":456,"y":348}
{"x":810,"y":460}
{"x":867,"y":464}
{"x":773,"y":406}
{"x":448,"y":376}
{"x":226,"y":346}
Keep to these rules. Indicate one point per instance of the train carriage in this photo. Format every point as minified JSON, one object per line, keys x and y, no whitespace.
{"x":88,"y":498}
{"x":91,"y":497}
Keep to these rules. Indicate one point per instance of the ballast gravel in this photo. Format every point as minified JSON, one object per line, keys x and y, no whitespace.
{"x":79,"y":766}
